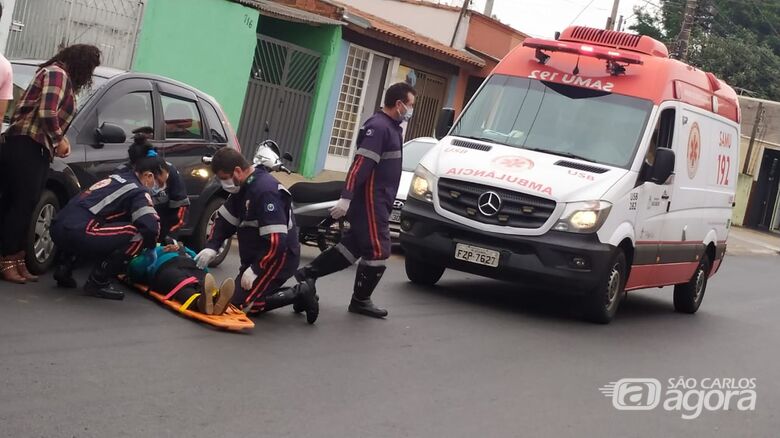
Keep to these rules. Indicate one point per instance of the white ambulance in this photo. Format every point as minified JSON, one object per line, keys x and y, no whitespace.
{"x":590,"y":163}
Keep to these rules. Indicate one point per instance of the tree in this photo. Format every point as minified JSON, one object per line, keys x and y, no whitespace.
{"x":735,"y":39}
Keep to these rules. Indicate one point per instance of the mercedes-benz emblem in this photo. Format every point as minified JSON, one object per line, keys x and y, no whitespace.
{"x":489,"y":203}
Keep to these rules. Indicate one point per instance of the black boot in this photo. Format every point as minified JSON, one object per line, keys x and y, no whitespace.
{"x":63,"y":273}
{"x":302,"y":295}
{"x":99,"y":283}
{"x":330,"y":261}
{"x":365,"y":282}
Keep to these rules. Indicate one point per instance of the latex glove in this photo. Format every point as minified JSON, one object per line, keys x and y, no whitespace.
{"x":248,"y":279}
{"x":340,"y":209}
{"x":205,"y":257}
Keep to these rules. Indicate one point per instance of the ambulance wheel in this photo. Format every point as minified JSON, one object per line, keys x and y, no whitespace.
{"x":203,"y":231}
{"x":603,"y":301}
{"x":422,"y":273}
{"x":40,"y":248}
{"x":688,"y":296}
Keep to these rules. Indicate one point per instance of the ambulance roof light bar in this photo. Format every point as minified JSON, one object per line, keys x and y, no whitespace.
{"x":611,"y":55}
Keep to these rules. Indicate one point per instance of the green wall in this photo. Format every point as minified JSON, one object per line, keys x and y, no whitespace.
{"x":327,"y":41}
{"x":208,"y":44}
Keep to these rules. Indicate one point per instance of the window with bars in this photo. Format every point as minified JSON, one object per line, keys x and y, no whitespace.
{"x":348,"y":109}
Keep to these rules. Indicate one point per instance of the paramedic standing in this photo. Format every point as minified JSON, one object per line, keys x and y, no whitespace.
{"x":367,"y":200}
{"x":35,"y":136}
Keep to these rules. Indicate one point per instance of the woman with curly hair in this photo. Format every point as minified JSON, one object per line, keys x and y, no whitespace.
{"x":34,"y":137}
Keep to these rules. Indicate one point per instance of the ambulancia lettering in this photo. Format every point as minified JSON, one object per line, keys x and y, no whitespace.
{"x":501,"y":176}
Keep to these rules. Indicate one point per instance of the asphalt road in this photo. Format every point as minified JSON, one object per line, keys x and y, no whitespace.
{"x":472,"y":357}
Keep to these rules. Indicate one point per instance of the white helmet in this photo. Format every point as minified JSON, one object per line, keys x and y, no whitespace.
{"x":267,"y":155}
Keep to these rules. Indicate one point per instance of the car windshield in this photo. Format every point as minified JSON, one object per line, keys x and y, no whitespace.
{"x":574,"y":122}
{"x":23,"y":75}
{"x":414,"y":150}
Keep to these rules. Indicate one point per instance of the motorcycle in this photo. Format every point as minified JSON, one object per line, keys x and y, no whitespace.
{"x":311,"y":201}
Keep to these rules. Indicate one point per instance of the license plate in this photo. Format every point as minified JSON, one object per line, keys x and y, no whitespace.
{"x":395,"y":216}
{"x":474,"y":254}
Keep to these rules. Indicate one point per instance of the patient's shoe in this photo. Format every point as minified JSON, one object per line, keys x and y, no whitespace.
{"x":224,"y":297}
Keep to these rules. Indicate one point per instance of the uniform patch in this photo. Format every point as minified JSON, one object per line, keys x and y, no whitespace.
{"x":270,"y":207}
{"x":369,"y":132}
{"x":100,"y":184}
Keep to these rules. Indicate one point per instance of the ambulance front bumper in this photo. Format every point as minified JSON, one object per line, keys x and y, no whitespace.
{"x":564,"y":261}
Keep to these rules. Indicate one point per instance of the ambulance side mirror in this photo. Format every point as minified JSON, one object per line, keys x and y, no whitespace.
{"x":444,"y":124}
{"x":663,"y":166}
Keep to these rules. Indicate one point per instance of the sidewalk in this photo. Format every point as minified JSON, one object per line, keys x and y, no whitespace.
{"x":288,"y":180}
{"x":744,"y":241}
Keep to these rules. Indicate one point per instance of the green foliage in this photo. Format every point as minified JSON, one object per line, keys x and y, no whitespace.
{"x":738,"y":40}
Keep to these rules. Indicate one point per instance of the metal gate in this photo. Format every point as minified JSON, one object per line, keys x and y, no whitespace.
{"x":430,"y":96}
{"x":50,"y":25}
{"x":280,"y":93}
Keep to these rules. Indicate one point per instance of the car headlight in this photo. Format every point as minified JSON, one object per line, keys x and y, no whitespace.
{"x":583,"y":217}
{"x":422,"y":184}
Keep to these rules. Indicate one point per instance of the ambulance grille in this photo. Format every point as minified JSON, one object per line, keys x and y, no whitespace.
{"x":517,"y":210}
{"x":578,"y":166}
{"x":472,"y":145}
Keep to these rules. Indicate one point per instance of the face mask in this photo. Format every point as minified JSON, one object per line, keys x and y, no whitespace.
{"x":229,"y":186}
{"x":408,"y":114}
{"x":156,"y":189}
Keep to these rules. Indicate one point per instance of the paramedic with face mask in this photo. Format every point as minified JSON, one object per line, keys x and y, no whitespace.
{"x":259,"y":211}
{"x":367,"y":200}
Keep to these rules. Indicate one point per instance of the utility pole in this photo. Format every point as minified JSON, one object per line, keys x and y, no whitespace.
{"x":619,"y":27}
{"x":463,"y":10}
{"x":489,"y":8}
{"x":685,"y":31}
{"x":756,"y":123}
{"x":611,"y":19}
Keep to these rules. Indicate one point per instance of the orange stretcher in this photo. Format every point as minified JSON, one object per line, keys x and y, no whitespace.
{"x":233,"y":319}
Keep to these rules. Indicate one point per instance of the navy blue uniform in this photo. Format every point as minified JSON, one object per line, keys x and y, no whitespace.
{"x":261,"y":214}
{"x":171,"y":204}
{"x":372,"y":184}
{"x":115,"y":214}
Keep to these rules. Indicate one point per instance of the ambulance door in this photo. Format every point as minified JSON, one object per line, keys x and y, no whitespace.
{"x":652,"y":199}
{"x":703,"y":192}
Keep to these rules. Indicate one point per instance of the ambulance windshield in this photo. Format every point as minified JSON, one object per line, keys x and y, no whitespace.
{"x":593,"y":125}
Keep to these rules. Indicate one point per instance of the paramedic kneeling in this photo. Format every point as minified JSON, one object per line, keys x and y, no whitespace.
{"x":259,"y":210}
{"x":113,"y":220}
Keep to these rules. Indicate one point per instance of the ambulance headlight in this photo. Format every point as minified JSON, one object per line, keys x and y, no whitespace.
{"x":422,"y":184}
{"x":583,"y":217}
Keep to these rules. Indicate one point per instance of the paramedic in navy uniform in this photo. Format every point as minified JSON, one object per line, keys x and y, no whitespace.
{"x":367,"y":200}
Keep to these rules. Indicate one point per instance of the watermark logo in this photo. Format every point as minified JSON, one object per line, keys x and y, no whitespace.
{"x":634,"y":394}
{"x":687,"y":395}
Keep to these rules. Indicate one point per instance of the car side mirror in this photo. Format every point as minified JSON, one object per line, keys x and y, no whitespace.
{"x":663,"y":167}
{"x":444,"y":124}
{"x":287,"y":157}
{"x":109,"y":133}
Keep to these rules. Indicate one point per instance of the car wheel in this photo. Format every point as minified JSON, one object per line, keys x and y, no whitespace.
{"x":203,"y":231}
{"x":422,"y":273}
{"x":40,"y":247}
{"x":688,"y":296}
{"x":603,"y":301}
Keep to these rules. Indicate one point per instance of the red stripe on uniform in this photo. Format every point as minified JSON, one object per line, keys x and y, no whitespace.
{"x":180,"y":215}
{"x":353,"y":172}
{"x":93,"y":229}
{"x":267,"y":278}
{"x":372,"y":227}
{"x":271,"y":250}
